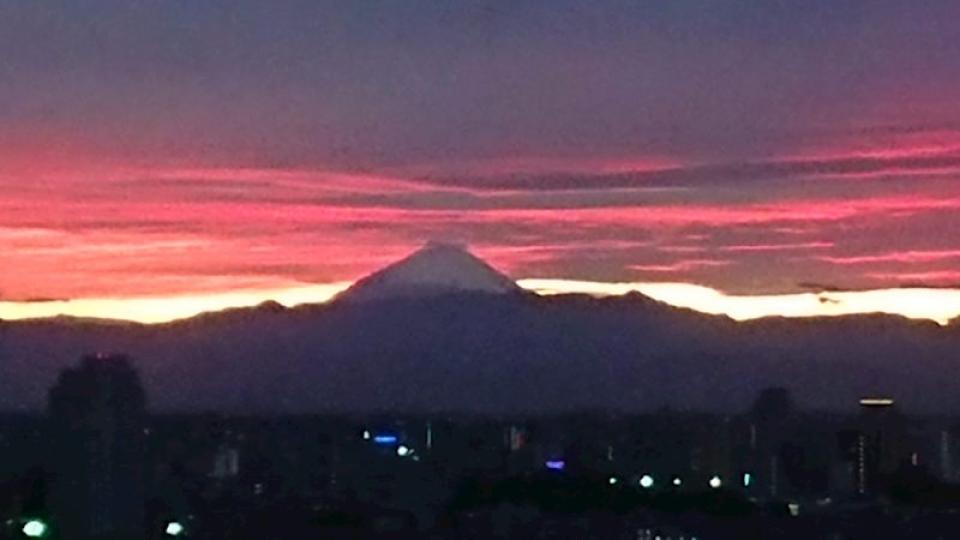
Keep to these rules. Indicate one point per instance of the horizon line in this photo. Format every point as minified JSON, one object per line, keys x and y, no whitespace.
{"x":917,"y":303}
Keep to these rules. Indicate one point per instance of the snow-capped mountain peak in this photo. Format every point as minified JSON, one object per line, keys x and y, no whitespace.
{"x":436,"y":268}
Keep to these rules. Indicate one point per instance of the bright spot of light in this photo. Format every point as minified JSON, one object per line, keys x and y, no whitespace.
{"x":646,"y":481}
{"x":174,"y":528}
{"x":556,"y":465}
{"x":34,"y":528}
{"x":612,"y":480}
{"x":403,"y":450}
{"x":715,"y":482}
{"x":385,"y":439}
{"x":877,"y":402}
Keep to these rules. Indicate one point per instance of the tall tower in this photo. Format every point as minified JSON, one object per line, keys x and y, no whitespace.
{"x":772,"y":418}
{"x":880,"y":442}
{"x":97,"y":412}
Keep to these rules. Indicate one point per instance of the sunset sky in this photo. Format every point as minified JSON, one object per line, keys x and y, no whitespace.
{"x":160,"y":158}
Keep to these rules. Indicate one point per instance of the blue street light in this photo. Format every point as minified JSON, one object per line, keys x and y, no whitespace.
{"x":385,"y":439}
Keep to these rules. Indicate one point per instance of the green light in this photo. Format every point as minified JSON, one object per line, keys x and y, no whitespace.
{"x":747,"y":479}
{"x":34,"y":528}
{"x":646,"y":482}
{"x":174,"y":529}
{"x":612,"y":480}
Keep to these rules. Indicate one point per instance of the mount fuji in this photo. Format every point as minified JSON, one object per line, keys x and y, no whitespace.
{"x":433,"y":270}
{"x":441,"y":330}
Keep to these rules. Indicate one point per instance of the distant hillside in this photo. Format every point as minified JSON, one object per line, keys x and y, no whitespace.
{"x":476,"y":351}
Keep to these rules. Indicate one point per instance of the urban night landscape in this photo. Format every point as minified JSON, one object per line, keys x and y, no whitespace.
{"x":479,"y":269}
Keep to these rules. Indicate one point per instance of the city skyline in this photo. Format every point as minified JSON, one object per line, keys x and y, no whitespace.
{"x":477,"y":269}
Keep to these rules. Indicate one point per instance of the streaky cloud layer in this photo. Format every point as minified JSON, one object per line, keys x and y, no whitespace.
{"x":159,"y":150}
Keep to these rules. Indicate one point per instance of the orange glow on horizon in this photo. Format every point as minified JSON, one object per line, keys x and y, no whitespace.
{"x":938,"y":305}
{"x":161,"y":309}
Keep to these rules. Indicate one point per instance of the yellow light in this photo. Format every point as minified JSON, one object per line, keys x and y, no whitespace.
{"x":876,"y":402}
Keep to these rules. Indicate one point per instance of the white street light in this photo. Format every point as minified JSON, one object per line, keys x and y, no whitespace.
{"x":174,"y":528}
{"x":34,"y":528}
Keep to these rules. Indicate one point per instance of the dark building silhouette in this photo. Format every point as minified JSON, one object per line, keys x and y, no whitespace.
{"x":874,"y":448}
{"x":771,"y":422}
{"x":97,"y":415}
{"x":881,"y":443}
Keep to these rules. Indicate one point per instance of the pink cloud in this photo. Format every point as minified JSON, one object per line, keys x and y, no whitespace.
{"x":935,"y":277}
{"x":682,"y":249}
{"x":907,"y":257}
{"x":109,"y":230}
{"x":778,"y":247}
{"x":681,"y":266}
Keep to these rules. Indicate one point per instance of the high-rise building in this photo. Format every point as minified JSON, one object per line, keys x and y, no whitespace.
{"x":879,"y":443}
{"x":97,"y":415}
{"x":946,"y":456}
{"x":772,"y":419}
{"x":226,"y":462}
